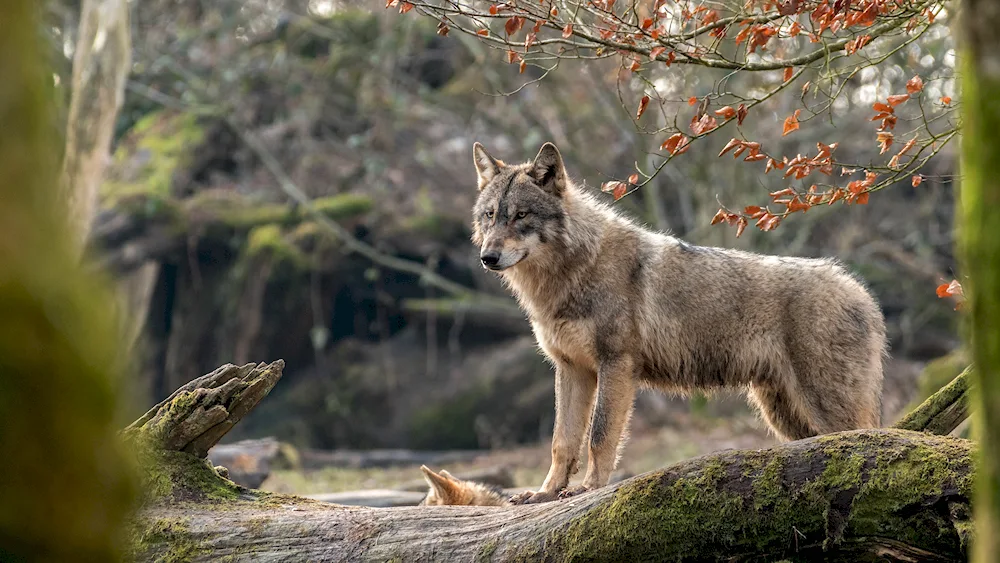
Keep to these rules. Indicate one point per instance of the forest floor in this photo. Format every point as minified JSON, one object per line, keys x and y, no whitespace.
{"x":648,"y":448}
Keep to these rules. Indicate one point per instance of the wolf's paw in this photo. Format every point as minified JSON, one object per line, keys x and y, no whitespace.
{"x":528,"y":497}
{"x":573,"y":491}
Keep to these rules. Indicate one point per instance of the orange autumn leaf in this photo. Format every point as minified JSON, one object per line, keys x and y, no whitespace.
{"x":946,"y":100}
{"x":917,"y":180}
{"x":788,"y":73}
{"x":884,"y":139}
{"x":741,"y":225}
{"x":897,"y":99}
{"x":741,"y":114}
{"x":692,"y":101}
{"x":719,"y":217}
{"x":656,"y":52}
{"x":522,"y":66}
{"x":703,"y":125}
{"x":636,"y":65}
{"x":676,"y":144}
{"x":616,"y":188}
{"x":483,"y":32}
{"x":952,"y":289}
{"x":494,"y":10}
{"x":915,"y":84}
{"x":730,"y":146}
{"x":791,"y":123}
{"x":405,"y":7}
{"x":633,"y":179}
{"x":511,"y":57}
{"x":726,"y":112}
{"x":567,"y":31}
{"x":642,"y":106}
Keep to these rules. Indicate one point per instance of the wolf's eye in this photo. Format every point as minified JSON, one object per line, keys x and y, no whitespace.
{"x":489,"y":214}
{"x":522,"y":214}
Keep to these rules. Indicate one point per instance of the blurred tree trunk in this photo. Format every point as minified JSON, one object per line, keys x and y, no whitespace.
{"x":980,"y":214}
{"x":63,"y":490}
{"x":100,"y":66}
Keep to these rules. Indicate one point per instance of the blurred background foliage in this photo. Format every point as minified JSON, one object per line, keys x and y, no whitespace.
{"x":373,"y":114}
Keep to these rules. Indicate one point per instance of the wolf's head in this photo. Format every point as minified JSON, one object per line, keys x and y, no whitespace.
{"x":519,"y":211}
{"x":446,"y":490}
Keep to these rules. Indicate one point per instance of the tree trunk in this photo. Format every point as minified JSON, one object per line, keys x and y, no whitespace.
{"x":980,"y":249}
{"x":890,"y":494}
{"x":100,"y":66}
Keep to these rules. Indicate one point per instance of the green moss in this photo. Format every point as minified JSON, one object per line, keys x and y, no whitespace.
{"x":159,"y":145}
{"x":268,"y":240}
{"x":710,"y":505}
{"x":147,"y":536}
{"x":170,"y":474}
{"x":343,"y":206}
{"x":487,"y":550}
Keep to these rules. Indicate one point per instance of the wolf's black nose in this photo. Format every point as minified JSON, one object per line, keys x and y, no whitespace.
{"x":490,"y":258}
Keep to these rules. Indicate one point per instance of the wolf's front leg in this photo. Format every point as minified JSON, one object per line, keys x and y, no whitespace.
{"x":615,"y":395}
{"x":574,"y":401}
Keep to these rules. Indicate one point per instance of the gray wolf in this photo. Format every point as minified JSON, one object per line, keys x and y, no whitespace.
{"x":447,"y":490}
{"x":615,"y":307}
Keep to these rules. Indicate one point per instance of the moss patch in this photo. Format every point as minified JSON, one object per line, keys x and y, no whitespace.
{"x":147,"y":537}
{"x":771,"y":502}
{"x":159,"y":145}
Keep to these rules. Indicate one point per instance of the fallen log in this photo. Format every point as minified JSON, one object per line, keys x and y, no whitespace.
{"x":890,"y":494}
{"x":866,"y":495}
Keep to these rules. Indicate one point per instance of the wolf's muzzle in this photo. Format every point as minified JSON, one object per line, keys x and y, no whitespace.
{"x":490,"y":259}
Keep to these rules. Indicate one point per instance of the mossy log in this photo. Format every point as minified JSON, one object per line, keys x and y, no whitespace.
{"x":943,"y":411}
{"x":195,"y":417}
{"x":146,"y":227}
{"x":854,"y":496}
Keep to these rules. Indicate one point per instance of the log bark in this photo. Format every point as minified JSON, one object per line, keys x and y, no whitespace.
{"x":943,"y":411}
{"x":195,"y":417}
{"x":890,"y":495}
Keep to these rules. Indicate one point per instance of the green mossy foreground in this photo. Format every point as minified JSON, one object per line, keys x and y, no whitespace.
{"x":875,"y":495}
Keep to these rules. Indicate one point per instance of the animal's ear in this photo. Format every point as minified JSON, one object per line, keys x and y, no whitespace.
{"x":442,"y":486}
{"x":548,"y":170}
{"x":444,"y":473}
{"x":486,"y":166}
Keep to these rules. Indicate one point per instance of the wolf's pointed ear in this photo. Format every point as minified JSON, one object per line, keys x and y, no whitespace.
{"x":444,"y":473}
{"x":549,"y":171}
{"x":442,"y":486}
{"x":486,"y":166}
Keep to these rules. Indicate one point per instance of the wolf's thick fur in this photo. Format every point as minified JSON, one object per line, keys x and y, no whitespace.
{"x":615,"y":306}
{"x":446,"y":490}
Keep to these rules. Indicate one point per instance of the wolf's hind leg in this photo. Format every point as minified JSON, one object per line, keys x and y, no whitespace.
{"x":781,"y":411}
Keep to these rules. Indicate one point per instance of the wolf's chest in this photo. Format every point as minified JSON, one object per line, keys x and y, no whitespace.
{"x":567,"y":341}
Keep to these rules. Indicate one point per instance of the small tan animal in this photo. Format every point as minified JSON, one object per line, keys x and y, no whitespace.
{"x":447,"y":490}
{"x":615,"y":307}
